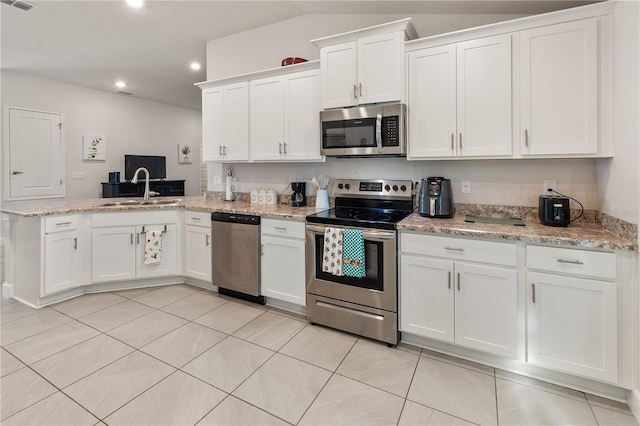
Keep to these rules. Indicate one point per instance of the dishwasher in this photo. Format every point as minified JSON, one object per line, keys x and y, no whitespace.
{"x":235,"y":255}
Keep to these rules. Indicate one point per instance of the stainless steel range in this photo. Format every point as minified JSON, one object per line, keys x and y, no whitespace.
{"x":367,"y":305}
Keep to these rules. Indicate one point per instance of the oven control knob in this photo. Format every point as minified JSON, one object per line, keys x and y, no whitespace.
{"x":403,"y":188}
{"x":395,"y":187}
{"x":347,"y":186}
{"x":340,"y":186}
{"x":387,"y":188}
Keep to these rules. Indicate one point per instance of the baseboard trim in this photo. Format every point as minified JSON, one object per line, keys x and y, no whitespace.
{"x":633,"y":399}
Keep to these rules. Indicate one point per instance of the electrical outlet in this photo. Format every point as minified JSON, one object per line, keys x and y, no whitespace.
{"x":548,"y":186}
{"x":465,"y":186}
{"x":217,"y":180}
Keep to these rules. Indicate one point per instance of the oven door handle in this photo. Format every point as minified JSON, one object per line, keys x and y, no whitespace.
{"x":367,"y":235}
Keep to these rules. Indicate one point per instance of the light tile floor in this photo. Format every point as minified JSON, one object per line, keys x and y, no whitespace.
{"x":183,"y":356}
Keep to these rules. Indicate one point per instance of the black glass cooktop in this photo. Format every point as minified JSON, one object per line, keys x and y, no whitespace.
{"x":359,"y":217}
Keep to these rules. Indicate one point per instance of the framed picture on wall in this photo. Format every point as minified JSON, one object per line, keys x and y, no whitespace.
{"x":184,"y":153}
{"x":94,"y":148}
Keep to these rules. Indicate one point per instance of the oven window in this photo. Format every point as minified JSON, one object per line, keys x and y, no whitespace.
{"x":372,"y":260}
{"x":349,"y":133}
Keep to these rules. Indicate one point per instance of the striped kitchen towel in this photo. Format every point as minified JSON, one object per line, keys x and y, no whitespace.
{"x":332,"y":251}
{"x":353,"y":254}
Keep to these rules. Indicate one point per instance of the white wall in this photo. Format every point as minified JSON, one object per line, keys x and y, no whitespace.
{"x":129,"y":125}
{"x":501,"y":182}
{"x":619,"y":177}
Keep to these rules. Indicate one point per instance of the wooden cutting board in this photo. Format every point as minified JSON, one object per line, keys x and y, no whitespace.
{"x":495,"y":220}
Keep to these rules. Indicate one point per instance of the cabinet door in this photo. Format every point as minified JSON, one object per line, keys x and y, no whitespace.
{"x":572,"y":325}
{"x":484,"y":96}
{"x":559,"y":89}
{"x":381,"y":68}
{"x":339,"y":75}
{"x":283,"y":269}
{"x":61,"y":261}
{"x":432,"y":102}
{"x":267,"y":118}
{"x":197,"y":252}
{"x":167,"y":265}
{"x":486,"y":308}
{"x":427,"y":297}
{"x":113,"y":254}
{"x":212,"y":124}
{"x":302,"y":120}
{"x":236,"y":122}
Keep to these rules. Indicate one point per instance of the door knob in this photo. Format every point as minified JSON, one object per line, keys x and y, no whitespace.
{"x":15,"y":172}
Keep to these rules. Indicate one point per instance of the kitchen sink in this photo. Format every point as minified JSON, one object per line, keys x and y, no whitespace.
{"x":124,"y":203}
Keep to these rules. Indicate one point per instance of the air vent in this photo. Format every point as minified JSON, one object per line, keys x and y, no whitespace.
{"x":22,"y":5}
{"x":120,"y":92}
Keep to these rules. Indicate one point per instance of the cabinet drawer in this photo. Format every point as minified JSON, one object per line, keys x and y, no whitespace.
{"x":572,"y":261}
{"x":459,"y":248}
{"x":197,"y":219}
{"x":60,"y":223}
{"x":283,"y":228}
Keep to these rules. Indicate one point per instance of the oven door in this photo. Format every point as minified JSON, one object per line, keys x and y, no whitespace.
{"x":377,"y":289}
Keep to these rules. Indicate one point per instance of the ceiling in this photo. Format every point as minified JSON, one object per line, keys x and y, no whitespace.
{"x":94,"y":43}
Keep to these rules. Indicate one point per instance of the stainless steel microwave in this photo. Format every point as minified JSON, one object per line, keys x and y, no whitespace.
{"x":373,"y":130}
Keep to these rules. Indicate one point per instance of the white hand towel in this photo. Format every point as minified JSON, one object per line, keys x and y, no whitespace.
{"x":332,"y":255}
{"x":153,"y":246}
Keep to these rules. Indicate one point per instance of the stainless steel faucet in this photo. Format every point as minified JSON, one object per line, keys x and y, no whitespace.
{"x":146,"y":181}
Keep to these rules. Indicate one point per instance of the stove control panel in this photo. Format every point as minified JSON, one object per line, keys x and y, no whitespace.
{"x":373,"y":188}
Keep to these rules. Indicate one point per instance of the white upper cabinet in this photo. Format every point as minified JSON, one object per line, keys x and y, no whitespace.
{"x":459,"y":99}
{"x":284,"y":114}
{"x":559,"y":89}
{"x":225,"y":123}
{"x":364,"y":66}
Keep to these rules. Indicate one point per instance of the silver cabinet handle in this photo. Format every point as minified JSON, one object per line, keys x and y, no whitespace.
{"x":196,"y":218}
{"x":449,"y":286}
{"x":132,"y":238}
{"x":138,"y":238}
{"x":280,"y":228}
{"x":460,"y":140}
{"x":526,"y":138}
{"x":533,"y":293}
{"x":454,"y":248}
{"x":220,"y":150}
{"x":16,"y":172}
{"x":261,"y":249}
{"x":360,"y":88}
{"x":224,"y":149}
{"x":458,"y":281}
{"x":207,"y":240}
{"x":285,"y":147}
{"x":355,"y":91}
{"x":280,"y":147}
{"x":572,"y":261}
{"x":452,"y":141}
{"x":63,"y":223}
{"x":75,"y":243}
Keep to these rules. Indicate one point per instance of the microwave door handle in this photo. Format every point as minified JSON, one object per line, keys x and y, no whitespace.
{"x":379,"y":132}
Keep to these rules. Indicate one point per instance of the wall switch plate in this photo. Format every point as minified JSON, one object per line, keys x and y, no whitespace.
{"x":465,"y":186}
{"x":549,"y":186}
{"x":77,"y":175}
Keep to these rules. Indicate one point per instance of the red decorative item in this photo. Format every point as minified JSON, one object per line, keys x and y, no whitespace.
{"x":292,"y":60}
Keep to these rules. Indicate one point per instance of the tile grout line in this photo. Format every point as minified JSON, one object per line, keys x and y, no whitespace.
{"x":413,"y":376}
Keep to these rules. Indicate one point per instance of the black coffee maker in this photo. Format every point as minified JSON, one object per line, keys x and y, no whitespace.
{"x":298,"y":195}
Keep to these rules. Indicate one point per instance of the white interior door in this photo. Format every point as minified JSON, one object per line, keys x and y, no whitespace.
{"x":36,"y":157}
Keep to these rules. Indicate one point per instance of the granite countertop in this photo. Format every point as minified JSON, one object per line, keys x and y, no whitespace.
{"x":51,"y":207}
{"x":586,"y":235}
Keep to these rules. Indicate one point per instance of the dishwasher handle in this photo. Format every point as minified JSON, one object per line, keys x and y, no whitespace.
{"x":245,"y":219}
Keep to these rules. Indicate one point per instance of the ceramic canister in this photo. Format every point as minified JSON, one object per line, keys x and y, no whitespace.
{"x":272,"y":197}
{"x":254,"y":196}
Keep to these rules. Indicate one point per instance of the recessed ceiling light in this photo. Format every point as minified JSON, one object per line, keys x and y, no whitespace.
{"x":135,"y":3}
{"x":195,"y":66}
{"x":121,"y":84}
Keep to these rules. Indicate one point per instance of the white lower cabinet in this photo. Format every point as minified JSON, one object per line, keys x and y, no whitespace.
{"x":283,"y":260}
{"x":197,"y":246}
{"x":456,"y":301}
{"x":118,"y":243}
{"x":63,"y":254}
{"x":572,"y":319}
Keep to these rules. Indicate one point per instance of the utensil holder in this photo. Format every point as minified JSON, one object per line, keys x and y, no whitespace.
{"x":322,"y":199}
